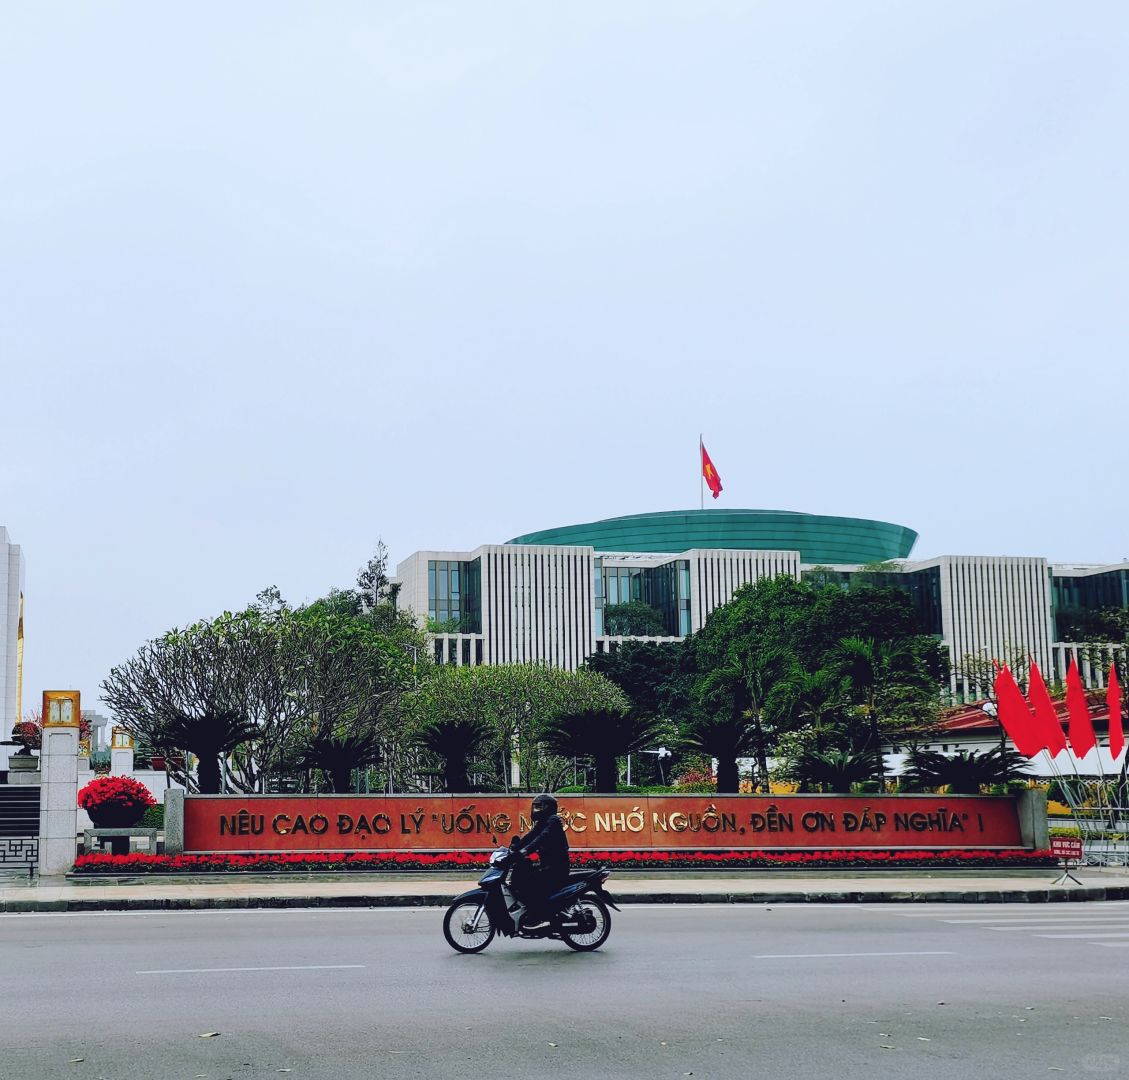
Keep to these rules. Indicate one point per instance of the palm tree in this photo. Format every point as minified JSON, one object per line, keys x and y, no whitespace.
{"x":871,"y":668}
{"x":966,"y":771}
{"x":811,"y":698}
{"x":338,"y":755}
{"x":731,"y":724}
{"x":835,"y":770}
{"x":602,"y":735}
{"x":454,"y":740}
{"x":210,"y":737}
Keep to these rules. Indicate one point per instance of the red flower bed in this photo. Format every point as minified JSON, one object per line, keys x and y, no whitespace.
{"x":140,"y":862}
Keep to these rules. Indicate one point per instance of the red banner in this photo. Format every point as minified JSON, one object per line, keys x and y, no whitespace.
{"x":214,"y":823}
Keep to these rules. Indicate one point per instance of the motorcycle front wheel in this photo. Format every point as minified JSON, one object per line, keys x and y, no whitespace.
{"x":467,"y":927}
{"x":593,"y":910}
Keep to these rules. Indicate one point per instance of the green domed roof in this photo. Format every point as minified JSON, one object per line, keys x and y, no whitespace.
{"x":818,"y":538}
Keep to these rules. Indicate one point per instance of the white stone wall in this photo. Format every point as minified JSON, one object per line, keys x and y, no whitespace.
{"x":12,"y":578}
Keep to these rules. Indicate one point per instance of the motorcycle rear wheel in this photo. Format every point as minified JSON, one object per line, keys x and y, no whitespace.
{"x":467,"y":927}
{"x":595,"y":907}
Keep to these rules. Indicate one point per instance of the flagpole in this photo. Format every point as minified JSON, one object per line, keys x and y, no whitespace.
{"x":701,"y":477}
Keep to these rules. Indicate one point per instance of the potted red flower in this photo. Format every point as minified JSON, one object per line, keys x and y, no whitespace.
{"x":115,"y":802}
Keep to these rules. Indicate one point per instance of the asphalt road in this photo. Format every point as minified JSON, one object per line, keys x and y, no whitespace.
{"x":712,"y":992}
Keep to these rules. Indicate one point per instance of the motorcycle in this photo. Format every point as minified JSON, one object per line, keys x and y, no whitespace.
{"x":577,"y":914}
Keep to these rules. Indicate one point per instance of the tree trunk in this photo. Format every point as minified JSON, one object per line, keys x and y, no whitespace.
{"x":455,"y":778}
{"x":607,"y":775}
{"x":342,"y":777}
{"x":208,"y":773}
{"x":728,"y":779}
{"x":879,"y":759}
{"x":761,"y":755}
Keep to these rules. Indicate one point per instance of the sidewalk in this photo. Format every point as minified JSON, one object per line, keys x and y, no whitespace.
{"x":639,"y":887}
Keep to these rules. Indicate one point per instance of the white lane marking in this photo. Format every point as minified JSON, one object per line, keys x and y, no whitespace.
{"x":209,"y":971}
{"x":1045,"y":916}
{"x":1072,"y":908}
{"x":1112,"y":944}
{"x":830,"y":955}
{"x":159,"y":913}
{"x":1092,"y":933}
{"x":1119,"y":925}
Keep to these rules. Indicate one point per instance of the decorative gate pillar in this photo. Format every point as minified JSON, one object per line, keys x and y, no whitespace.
{"x":121,"y":752}
{"x":58,"y":806}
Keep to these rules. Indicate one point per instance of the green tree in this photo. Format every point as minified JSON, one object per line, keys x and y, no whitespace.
{"x":210,"y":690}
{"x":834,"y":770}
{"x":966,"y":771}
{"x":744,"y":649}
{"x":351,"y":676}
{"x":892,"y":692}
{"x":633,"y":619}
{"x":603,"y":730}
{"x":815,"y":700}
{"x":449,"y":717}
{"x":747,"y":655}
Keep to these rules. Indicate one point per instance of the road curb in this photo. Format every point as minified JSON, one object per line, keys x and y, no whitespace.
{"x":1041,"y":895}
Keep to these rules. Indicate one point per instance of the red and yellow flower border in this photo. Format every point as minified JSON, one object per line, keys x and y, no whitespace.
{"x":143,"y":863}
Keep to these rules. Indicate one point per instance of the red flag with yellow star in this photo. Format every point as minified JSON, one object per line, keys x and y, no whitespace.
{"x":713,"y":481}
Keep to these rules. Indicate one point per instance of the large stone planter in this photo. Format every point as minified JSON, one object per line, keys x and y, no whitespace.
{"x":115,"y":817}
{"x":23,"y":763}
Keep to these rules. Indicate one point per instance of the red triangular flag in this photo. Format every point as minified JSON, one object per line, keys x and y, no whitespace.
{"x":1081,"y":728}
{"x":1050,"y":728}
{"x":1113,"y":697}
{"x":1015,"y":716}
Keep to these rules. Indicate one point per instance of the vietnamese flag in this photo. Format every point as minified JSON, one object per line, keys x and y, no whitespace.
{"x":1113,"y":697}
{"x":713,"y":481}
{"x":1015,"y":716}
{"x":1080,"y":728}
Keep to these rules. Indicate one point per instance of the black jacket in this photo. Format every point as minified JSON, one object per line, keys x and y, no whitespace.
{"x":549,"y":841}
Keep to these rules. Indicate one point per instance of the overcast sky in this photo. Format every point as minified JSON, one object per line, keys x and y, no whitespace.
{"x":281,"y":279}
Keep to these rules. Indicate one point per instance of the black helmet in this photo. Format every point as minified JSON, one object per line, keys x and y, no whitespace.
{"x":544,"y":807}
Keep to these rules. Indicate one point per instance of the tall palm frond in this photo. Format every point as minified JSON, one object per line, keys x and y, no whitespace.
{"x":966,"y":771}
{"x":338,"y":755}
{"x":454,"y":741}
{"x":602,"y":735}
{"x":209,"y":736}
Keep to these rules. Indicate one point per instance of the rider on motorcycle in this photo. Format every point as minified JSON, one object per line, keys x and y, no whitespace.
{"x":546,"y":838}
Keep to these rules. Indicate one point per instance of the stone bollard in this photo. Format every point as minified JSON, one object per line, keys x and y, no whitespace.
{"x":1031,"y":805}
{"x":174,"y":821}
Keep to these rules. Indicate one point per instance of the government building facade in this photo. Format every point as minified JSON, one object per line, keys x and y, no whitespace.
{"x":541,"y":597}
{"x":11,"y":632}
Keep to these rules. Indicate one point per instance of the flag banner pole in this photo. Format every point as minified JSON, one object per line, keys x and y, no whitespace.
{"x":701,"y":476}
